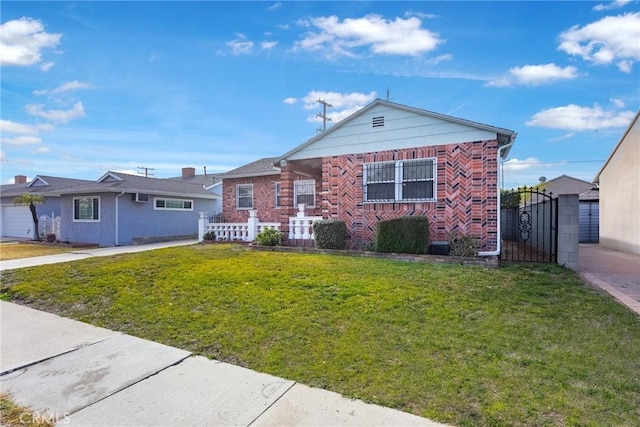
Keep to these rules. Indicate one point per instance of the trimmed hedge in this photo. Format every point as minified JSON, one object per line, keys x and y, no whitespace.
{"x":404,"y":235}
{"x":330,"y":234}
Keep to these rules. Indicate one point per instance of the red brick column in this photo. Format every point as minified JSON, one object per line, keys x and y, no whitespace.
{"x":287,"y":210}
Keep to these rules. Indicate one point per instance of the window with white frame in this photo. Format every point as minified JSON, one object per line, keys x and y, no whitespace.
{"x":401,"y":181}
{"x":244,"y":196}
{"x":86,"y":208}
{"x":304,"y":192}
{"x":172,"y":204}
{"x":278,"y":201}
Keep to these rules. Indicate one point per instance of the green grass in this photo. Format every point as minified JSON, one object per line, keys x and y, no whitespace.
{"x":522,"y":345}
{"x":26,"y":250}
{"x":12,"y":415}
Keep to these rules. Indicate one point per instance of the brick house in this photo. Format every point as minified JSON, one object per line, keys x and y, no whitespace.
{"x":384,"y":161}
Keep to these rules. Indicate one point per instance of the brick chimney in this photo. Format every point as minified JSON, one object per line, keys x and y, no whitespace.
{"x":188,"y":172}
{"x":20,"y":179}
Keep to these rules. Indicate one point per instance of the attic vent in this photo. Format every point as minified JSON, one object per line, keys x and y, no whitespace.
{"x":378,"y":122}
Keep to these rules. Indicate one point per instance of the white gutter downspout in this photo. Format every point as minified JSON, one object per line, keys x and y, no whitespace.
{"x":117,"y":217}
{"x":498,"y":239}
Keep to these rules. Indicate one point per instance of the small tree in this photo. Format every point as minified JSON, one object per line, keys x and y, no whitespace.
{"x":32,"y":200}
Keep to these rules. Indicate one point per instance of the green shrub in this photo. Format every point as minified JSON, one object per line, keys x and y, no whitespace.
{"x":330,"y":234}
{"x":209,"y":235}
{"x":406,"y":235}
{"x":269,"y":237}
{"x":466,"y":246}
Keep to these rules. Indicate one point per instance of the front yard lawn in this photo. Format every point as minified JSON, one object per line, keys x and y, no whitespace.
{"x":26,"y":250}
{"x":522,"y":345}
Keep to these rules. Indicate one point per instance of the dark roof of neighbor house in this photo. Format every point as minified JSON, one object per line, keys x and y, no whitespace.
{"x":116,"y":182}
{"x":261,"y":167}
{"x":41,"y":184}
{"x":505,"y":136}
{"x":620,"y":142}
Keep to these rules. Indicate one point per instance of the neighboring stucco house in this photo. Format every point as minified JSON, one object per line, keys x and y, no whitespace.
{"x":384,"y":161}
{"x":211,"y":182}
{"x":588,"y":196}
{"x":619,"y":182}
{"x":122,"y":209}
{"x":565,"y":184}
{"x":16,"y":221}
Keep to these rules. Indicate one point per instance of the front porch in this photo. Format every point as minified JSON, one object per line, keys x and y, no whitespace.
{"x":299,"y":228}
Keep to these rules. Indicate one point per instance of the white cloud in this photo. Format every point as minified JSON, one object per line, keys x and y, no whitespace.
{"x":268,"y":44}
{"x":535,"y":75}
{"x":611,"y":39}
{"x":46,"y":66}
{"x":15,"y":127}
{"x":342,"y":104}
{"x":240,"y":46}
{"x":42,"y":150}
{"x":56,"y":116}
{"x":22,"y":140}
{"x":275,"y":6}
{"x":381,"y":36}
{"x":616,"y":4}
{"x":290,"y":100}
{"x":22,"y":40}
{"x":420,"y":15}
{"x":518,"y":165}
{"x":65,"y":87}
{"x":576,"y":118}
{"x":617,"y":102}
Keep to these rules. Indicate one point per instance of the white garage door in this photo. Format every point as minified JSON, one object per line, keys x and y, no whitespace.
{"x":16,"y":222}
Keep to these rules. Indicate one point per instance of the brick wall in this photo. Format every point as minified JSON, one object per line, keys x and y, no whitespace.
{"x":467,"y":178}
{"x":264,"y":198}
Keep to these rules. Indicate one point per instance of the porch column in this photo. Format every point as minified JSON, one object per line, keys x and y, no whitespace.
{"x":287,"y":209}
{"x":201,"y":225}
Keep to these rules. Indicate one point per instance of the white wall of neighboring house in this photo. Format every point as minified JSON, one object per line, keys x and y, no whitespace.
{"x":619,"y":182}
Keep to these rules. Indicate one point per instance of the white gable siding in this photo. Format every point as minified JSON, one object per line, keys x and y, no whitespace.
{"x":402,"y":129}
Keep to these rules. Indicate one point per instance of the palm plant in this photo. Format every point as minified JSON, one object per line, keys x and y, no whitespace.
{"x":32,"y":200}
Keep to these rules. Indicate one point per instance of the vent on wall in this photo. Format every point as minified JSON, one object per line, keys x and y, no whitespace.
{"x":378,"y":122}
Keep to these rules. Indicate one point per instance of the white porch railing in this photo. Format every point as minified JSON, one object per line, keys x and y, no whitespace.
{"x":234,"y":231}
{"x":301,"y":226}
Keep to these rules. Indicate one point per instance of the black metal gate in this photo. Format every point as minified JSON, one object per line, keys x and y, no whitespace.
{"x":528,"y":226}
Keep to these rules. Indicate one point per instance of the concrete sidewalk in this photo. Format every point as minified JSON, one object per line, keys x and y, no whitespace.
{"x":81,"y":375}
{"x":617,"y":273}
{"x":88,"y":253}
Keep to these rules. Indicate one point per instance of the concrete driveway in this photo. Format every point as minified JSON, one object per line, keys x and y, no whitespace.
{"x":615,"y":272}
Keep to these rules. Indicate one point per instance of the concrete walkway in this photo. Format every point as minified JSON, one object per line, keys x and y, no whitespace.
{"x":88,"y":253}
{"x":82,"y":375}
{"x":617,"y":273}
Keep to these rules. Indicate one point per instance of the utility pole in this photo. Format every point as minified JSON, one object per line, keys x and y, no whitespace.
{"x":323,"y":115}
{"x":146,"y":171}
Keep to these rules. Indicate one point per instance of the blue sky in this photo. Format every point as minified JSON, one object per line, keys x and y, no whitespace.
{"x":94,"y":86}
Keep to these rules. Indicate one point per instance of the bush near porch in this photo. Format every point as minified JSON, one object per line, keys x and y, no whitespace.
{"x":521,"y":345}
